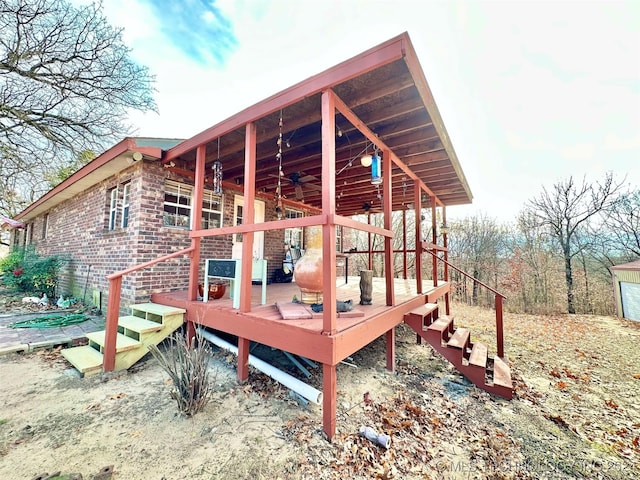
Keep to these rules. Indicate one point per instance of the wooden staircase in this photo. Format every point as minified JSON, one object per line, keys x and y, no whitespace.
{"x":148,"y":324}
{"x":470,"y":359}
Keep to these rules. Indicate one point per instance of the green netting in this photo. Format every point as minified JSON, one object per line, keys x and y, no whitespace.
{"x":51,"y":321}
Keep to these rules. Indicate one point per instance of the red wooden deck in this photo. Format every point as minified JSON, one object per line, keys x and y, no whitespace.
{"x":264,"y":324}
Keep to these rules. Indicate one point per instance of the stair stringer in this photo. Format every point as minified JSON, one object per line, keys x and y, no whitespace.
{"x":170,"y":318}
{"x":128,"y":358}
{"x":458,"y":357}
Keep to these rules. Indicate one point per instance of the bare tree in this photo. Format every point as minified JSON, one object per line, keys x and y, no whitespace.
{"x":531,"y":266}
{"x":66,"y":84}
{"x":476,"y":245}
{"x":623,"y":223}
{"x":566,"y":211}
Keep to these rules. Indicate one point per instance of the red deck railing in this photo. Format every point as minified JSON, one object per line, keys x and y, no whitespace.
{"x":499,"y":297}
{"x":113,"y":306}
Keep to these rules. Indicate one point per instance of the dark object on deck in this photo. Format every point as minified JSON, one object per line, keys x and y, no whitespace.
{"x":279,"y":276}
{"x":345,"y":306}
{"x":366,"y":287}
{"x":341,"y":306}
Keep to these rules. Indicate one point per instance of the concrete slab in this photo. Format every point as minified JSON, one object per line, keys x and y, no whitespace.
{"x":13,"y":340}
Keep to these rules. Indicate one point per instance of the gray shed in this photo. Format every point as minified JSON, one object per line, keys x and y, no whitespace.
{"x":626,"y":289}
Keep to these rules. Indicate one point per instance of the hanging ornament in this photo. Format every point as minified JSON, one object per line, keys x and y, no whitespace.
{"x":217,"y":178}
{"x":376,"y":169}
{"x":278,"y":196}
{"x":217,"y":173}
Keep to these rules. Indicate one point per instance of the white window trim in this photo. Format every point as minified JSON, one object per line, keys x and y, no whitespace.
{"x":113,"y":207}
{"x":299,"y":231}
{"x":126,"y":195}
{"x":186,"y":191}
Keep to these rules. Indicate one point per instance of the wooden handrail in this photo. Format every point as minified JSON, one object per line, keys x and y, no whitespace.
{"x":113,"y":306}
{"x":428,"y":247}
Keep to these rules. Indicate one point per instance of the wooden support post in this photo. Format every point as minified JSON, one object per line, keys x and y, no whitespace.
{"x":249,"y":215}
{"x":243,"y":359}
{"x":417,"y":204}
{"x":191,"y":332}
{"x":499,"y":327}
{"x":111,"y":328}
{"x":391,"y":349}
{"x":434,"y":239}
{"x":447,"y":298}
{"x":198,"y":193}
{"x":370,"y":259}
{"x":329,"y":399}
{"x":329,"y":317}
{"x":404,"y":244}
{"x":387,"y":199}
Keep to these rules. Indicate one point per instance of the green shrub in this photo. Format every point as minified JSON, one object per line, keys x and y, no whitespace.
{"x":26,"y":271}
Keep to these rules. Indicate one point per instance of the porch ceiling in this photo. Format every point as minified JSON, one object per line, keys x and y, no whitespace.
{"x":385,"y":87}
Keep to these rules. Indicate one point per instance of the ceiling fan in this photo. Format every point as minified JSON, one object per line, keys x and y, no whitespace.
{"x":301,"y":181}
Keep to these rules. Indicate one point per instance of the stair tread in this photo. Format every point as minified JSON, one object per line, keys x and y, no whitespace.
{"x":157,"y":309}
{"x":459,"y":339}
{"x":85,"y":359}
{"x":501,"y":373}
{"x":424,"y":310}
{"x":123,"y":343}
{"x":440,"y":325}
{"x":138,"y":324}
{"x":478,"y":355}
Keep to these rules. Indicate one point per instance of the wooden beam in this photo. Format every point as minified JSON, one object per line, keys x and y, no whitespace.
{"x":417,"y":203}
{"x":391,"y":349}
{"x":370,"y":60}
{"x":266,"y":226}
{"x":370,"y":262}
{"x":198,"y":194}
{"x":111,"y":327}
{"x":356,"y":225}
{"x":329,"y":399}
{"x":248,"y":216}
{"x":243,"y":359}
{"x":434,"y":239}
{"x":404,"y":244}
{"x":389,"y":272}
{"x":349,"y":340}
{"x":373,"y":138}
{"x":329,"y":210}
{"x":445,"y":247}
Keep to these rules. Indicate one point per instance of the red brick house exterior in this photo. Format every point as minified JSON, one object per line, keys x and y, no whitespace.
{"x":79,"y":222}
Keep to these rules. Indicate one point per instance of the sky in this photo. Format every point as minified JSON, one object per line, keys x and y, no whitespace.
{"x":531,"y":93}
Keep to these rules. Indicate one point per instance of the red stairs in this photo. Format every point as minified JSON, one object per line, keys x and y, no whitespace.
{"x":454,"y":344}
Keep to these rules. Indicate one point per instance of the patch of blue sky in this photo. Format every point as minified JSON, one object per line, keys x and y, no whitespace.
{"x":199,"y":28}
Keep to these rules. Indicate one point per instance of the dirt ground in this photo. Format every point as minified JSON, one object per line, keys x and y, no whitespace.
{"x":575,"y":414}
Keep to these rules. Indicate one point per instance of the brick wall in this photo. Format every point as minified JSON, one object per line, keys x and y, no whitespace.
{"x":78,"y":228}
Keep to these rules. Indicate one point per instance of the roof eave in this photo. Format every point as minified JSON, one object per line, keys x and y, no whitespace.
{"x":118,"y":157}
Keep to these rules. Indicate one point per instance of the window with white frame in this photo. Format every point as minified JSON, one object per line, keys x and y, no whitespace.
{"x":293,"y":236}
{"x":126,"y":194}
{"x":211,"y":210}
{"x":113,"y":207}
{"x":45,"y":225}
{"x":178,"y":205}
{"x":338,"y":238}
{"x":28,"y":239}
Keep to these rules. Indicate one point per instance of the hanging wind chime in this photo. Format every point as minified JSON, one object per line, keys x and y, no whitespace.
{"x":217,"y":173}
{"x":278,"y":196}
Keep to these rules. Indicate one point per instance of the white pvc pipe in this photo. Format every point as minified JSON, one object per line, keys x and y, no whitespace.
{"x":301,"y":388}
